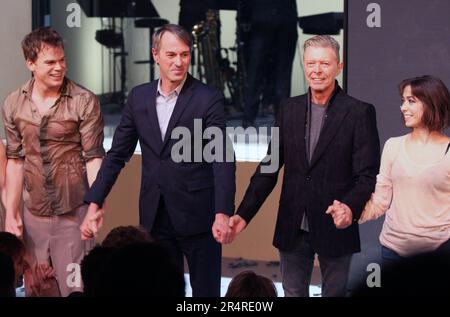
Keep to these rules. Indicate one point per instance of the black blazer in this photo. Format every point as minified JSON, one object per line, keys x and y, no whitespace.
{"x":193,"y":192}
{"x":344,"y":166}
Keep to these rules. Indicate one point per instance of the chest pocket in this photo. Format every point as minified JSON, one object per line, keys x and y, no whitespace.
{"x":62,"y":130}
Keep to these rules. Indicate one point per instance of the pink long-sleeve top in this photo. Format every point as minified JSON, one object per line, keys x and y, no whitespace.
{"x":415,"y":198}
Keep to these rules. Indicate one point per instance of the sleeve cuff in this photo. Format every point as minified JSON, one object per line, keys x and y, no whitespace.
{"x":96,"y":153}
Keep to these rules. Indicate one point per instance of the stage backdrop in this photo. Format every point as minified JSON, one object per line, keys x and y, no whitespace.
{"x":386,"y":42}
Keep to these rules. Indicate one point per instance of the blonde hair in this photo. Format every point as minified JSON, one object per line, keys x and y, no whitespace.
{"x":323,"y":41}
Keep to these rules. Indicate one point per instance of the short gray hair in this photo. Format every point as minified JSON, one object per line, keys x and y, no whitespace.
{"x":176,"y":30}
{"x":323,"y":41}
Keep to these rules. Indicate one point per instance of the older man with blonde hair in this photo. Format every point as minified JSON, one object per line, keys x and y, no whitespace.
{"x":330,"y":151}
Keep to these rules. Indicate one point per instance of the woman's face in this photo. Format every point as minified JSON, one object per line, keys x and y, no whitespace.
{"x":412,"y":109}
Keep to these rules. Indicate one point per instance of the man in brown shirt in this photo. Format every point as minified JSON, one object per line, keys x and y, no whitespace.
{"x":54,"y":132}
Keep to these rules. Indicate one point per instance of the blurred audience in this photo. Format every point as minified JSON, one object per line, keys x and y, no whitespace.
{"x":14,"y":248}
{"x":125,"y":235}
{"x":6,"y":276}
{"x":93,"y":268}
{"x":250,"y":284}
{"x":39,"y":279}
{"x":142,"y":269}
{"x":421,"y":275}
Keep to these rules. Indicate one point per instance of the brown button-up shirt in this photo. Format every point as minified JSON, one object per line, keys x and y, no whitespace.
{"x":55,"y":146}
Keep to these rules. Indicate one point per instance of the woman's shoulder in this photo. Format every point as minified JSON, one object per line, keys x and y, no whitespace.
{"x":392,"y":146}
{"x":395,"y":142}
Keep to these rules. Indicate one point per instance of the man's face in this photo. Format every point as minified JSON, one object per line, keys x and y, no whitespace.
{"x":321,"y":68}
{"x":173,"y":57}
{"x":49,"y":68}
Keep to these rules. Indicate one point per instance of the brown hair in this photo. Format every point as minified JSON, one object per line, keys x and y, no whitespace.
{"x":434,"y":95}
{"x":250,"y":284}
{"x":33,"y":42}
{"x":124,"y":235}
{"x":176,"y":30}
{"x":11,"y":245}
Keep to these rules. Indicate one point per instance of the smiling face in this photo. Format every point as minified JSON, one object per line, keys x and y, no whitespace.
{"x":321,"y":66}
{"x":174,"y":58}
{"x":49,"y":67}
{"x":412,"y":109}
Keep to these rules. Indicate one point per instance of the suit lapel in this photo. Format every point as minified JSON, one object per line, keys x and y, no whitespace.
{"x":182,"y":101}
{"x":333,"y":120}
{"x":153,"y":117}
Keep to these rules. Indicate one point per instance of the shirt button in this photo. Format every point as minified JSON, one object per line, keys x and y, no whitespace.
{"x":308,"y":178}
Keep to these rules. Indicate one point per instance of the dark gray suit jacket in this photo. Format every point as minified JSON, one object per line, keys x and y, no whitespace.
{"x":344,"y":166}
{"x":193,"y":191}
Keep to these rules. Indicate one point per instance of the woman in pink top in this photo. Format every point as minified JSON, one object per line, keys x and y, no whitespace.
{"x":413,"y":186}
{"x":3,"y":161}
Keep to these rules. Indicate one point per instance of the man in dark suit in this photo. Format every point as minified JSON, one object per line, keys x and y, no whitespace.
{"x":329,"y":146}
{"x":180,"y":199}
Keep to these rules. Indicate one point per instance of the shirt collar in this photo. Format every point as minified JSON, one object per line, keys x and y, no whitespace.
{"x":176,"y":90}
{"x":335,"y":92}
{"x":27,"y":88}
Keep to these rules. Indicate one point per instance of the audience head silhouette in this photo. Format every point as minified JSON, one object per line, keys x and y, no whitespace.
{"x":6,"y":276}
{"x":142,"y":269}
{"x":14,"y":248}
{"x":125,"y":235}
{"x":250,"y":284}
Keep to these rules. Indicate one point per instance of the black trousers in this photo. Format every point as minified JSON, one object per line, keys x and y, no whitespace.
{"x":297,"y":266}
{"x":269,"y":51}
{"x":202,"y":252}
